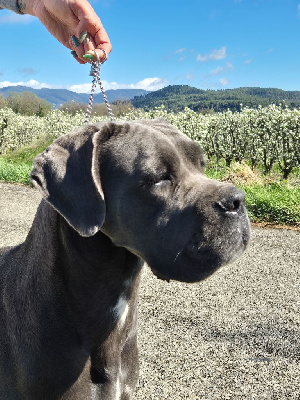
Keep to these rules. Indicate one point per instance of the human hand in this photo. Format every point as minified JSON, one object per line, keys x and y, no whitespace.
{"x":65,"y":18}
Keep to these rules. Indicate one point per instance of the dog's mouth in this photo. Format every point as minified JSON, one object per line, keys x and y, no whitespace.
{"x":187,"y":269}
{"x":200,"y":258}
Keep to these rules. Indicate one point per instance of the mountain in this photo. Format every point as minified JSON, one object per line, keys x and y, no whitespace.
{"x":177,"y":97}
{"x":174,"y":98}
{"x":60,"y":96}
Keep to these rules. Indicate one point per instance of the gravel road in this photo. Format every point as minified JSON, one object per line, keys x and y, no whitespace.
{"x":234,"y":336}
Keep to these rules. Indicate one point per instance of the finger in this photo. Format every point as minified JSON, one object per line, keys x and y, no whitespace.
{"x":80,"y":61}
{"x":97,"y":32}
{"x":90,"y":55}
{"x":102,"y":54}
{"x":91,"y":47}
{"x":90,"y":23}
{"x":102,"y":41}
{"x":78,"y":47}
{"x":85,"y":43}
{"x":75,"y":55}
{"x":87,"y":47}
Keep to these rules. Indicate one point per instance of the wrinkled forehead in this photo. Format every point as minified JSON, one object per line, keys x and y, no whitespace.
{"x":152,"y":146}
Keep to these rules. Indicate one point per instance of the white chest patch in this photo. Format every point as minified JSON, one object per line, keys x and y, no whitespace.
{"x":121,"y":310}
{"x":118,"y":389}
{"x":93,"y":392}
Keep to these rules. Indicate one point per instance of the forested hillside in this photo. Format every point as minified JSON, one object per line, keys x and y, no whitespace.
{"x":176,"y":98}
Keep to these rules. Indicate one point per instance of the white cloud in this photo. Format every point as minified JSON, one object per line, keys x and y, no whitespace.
{"x":175,"y":53}
{"x":223,"y":82}
{"x":213,"y":55}
{"x":189,"y":77}
{"x":298,"y":10}
{"x":149,"y":84}
{"x":31,"y":83}
{"x":179,"y":51}
{"x":82,"y":88}
{"x":10,"y":17}
{"x":220,"y":70}
{"x":216,"y":71}
{"x":209,"y":85}
{"x":247,"y":62}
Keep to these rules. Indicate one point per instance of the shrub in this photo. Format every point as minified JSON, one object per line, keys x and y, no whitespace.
{"x":262,"y":137}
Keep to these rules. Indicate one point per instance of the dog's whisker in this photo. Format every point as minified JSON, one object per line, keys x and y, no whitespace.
{"x":177,"y":255}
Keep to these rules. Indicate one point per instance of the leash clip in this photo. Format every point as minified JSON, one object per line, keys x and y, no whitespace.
{"x":95,"y":67}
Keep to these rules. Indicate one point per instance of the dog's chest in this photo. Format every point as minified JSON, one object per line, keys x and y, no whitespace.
{"x":120,"y":311}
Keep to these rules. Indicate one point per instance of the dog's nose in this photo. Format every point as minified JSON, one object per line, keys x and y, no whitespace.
{"x":230,"y":200}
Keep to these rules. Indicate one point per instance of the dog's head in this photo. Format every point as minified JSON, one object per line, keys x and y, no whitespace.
{"x":143,"y":185}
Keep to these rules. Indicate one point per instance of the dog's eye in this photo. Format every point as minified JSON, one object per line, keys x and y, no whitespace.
{"x":158,"y":182}
{"x":165,"y":180}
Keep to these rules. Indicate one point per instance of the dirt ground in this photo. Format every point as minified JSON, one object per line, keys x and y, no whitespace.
{"x":234,"y":336}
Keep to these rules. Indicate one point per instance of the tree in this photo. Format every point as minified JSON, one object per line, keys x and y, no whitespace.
{"x":122,"y":107}
{"x":2,"y":101}
{"x":28,"y":103}
{"x":72,"y":107}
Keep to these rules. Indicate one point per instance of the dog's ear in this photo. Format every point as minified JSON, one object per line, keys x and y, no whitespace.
{"x":67,"y":176}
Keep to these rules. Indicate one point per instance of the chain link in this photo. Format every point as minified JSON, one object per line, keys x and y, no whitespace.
{"x":95,"y":72}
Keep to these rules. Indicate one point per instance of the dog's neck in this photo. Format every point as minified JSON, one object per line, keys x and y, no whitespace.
{"x":92,"y":272}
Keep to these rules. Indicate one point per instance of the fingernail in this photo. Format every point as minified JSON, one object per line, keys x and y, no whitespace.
{"x":74,"y":54}
{"x":84,"y":37}
{"x":88,"y":56}
{"x":75,"y":41}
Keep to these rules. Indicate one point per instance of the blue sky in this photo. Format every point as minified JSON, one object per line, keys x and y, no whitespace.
{"x":210,"y":44}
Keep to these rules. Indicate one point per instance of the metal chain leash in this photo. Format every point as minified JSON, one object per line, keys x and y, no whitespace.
{"x":95,"y":72}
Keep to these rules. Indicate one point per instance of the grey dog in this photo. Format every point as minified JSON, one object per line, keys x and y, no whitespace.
{"x":116,"y":195}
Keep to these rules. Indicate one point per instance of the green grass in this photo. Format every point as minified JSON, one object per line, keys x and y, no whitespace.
{"x":276,"y":202}
{"x":15,"y":167}
{"x":268,"y":199}
{"x":16,"y":173}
